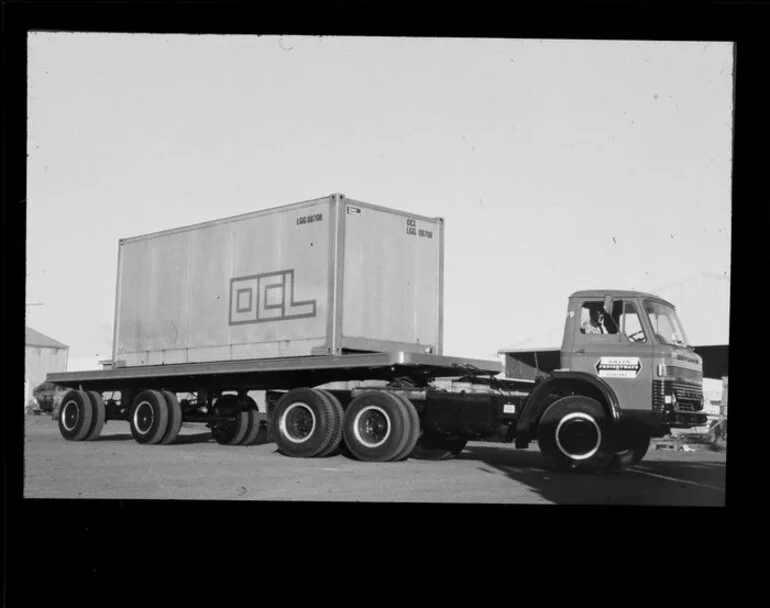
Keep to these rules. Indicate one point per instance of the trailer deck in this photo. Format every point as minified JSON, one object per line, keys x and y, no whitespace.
{"x":280,"y":373}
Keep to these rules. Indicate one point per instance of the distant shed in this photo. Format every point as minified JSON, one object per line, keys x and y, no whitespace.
{"x":42,"y":355}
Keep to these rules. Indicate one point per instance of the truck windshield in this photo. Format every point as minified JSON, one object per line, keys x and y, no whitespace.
{"x":665,"y":324}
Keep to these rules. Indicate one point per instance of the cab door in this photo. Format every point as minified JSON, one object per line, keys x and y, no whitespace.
{"x":622,"y":355}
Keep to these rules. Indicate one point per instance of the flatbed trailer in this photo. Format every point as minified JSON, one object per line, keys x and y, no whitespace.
{"x":294,"y":299}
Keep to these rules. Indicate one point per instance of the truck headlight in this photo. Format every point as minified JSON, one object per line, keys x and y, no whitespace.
{"x":661,"y":370}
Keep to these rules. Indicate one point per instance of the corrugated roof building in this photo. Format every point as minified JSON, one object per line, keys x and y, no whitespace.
{"x":42,"y":355}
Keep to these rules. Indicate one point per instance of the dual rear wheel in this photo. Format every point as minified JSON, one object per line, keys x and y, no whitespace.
{"x":376,"y":426}
{"x":82,"y":415}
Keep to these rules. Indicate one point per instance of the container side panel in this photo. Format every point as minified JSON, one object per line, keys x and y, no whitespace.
{"x":256,"y":287}
{"x":391,"y":277}
{"x":279,"y":283}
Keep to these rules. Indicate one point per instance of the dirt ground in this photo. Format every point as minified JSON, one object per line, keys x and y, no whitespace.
{"x":115,"y":466}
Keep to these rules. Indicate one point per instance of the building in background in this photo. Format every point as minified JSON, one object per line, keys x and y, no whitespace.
{"x":42,"y":355}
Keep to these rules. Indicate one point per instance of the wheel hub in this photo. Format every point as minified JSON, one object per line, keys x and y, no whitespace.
{"x":372,"y":426}
{"x":578,"y":436}
{"x":70,"y":415}
{"x":298,"y":422}
{"x":144,"y":417}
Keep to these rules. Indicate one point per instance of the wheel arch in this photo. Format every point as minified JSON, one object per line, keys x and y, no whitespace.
{"x":562,"y":384}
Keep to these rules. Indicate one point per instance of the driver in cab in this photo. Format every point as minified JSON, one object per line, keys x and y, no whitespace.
{"x":595,"y":323}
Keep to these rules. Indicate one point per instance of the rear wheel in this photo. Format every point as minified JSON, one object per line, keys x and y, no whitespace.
{"x":572,"y":434}
{"x":233,"y":428}
{"x":304,"y":423}
{"x":149,"y":417}
{"x":413,"y":431}
{"x":75,"y":416}
{"x":174,"y":418}
{"x":99,"y":416}
{"x":254,"y":425}
{"x":436,"y":446}
{"x":377,"y":426}
{"x":339,"y":414}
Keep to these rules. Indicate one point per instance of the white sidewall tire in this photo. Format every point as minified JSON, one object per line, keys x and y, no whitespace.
{"x":63,"y":412}
{"x":357,"y":420}
{"x":282,"y":422}
{"x":580,"y":416}
{"x":136,"y":418}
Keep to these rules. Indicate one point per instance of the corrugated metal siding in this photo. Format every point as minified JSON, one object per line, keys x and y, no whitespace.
{"x":197,"y":295}
{"x":40,"y":361}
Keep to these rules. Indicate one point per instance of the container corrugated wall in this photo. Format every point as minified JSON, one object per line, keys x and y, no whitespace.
{"x":322,"y":276}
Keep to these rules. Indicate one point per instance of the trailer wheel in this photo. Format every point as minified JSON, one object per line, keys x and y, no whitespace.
{"x":376,"y":426}
{"x":76,"y":415}
{"x":99,"y":415}
{"x":304,"y":423}
{"x":174,"y":418}
{"x":250,"y":438}
{"x":233,"y":429}
{"x":149,"y":417}
{"x":413,"y":428}
{"x":435,"y":446}
{"x":572,"y":434}
{"x":637,"y":448}
{"x":336,"y":439}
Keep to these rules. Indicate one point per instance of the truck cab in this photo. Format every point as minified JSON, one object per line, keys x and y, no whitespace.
{"x":635,"y":342}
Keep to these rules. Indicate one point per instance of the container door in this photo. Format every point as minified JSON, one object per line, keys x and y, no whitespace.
{"x":616,"y":348}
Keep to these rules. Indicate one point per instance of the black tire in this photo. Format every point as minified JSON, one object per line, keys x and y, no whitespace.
{"x":436,"y":446}
{"x":376,"y":426}
{"x":174,"y":418}
{"x":303,"y":423}
{"x":76,"y":415}
{"x":414,"y":428}
{"x":633,"y":454}
{"x":149,"y":417}
{"x":572,"y":434}
{"x":233,"y":430}
{"x":99,"y":415}
{"x":336,"y":440}
{"x":250,"y":438}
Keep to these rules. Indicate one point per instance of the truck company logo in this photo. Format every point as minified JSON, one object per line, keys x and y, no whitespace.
{"x":618,"y":367}
{"x":259,"y":298}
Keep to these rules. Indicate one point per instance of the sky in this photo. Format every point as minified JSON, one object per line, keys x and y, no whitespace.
{"x":557,"y":165}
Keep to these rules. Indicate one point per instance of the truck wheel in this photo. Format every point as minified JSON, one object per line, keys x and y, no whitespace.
{"x":254,"y":423}
{"x":233,"y":429}
{"x":76,"y":415}
{"x":414,"y":428}
{"x":149,"y":417}
{"x":252,"y":429}
{"x":99,"y":415}
{"x":376,"y":426}
{"x":637,"y":448}
{"x":174,"y":418}
{"x":434,"y":446}
{"x":572,"y":434}
{"x":303,"y":423}
{"x":336,"y":440}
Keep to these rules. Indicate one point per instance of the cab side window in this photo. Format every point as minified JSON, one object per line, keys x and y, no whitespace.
{"x":593,"y":320}
{"x":632,"y":326}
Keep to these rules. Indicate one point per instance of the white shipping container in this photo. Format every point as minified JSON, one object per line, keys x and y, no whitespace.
{"x":325,"y":276}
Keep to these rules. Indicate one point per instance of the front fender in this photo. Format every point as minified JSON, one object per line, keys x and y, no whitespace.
{"x":567,"y":382}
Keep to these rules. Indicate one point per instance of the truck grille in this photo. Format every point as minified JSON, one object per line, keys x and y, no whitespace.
{"x":689,"y":397}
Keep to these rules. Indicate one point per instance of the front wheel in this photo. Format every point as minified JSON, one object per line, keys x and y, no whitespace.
{"x":572,"y":434}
